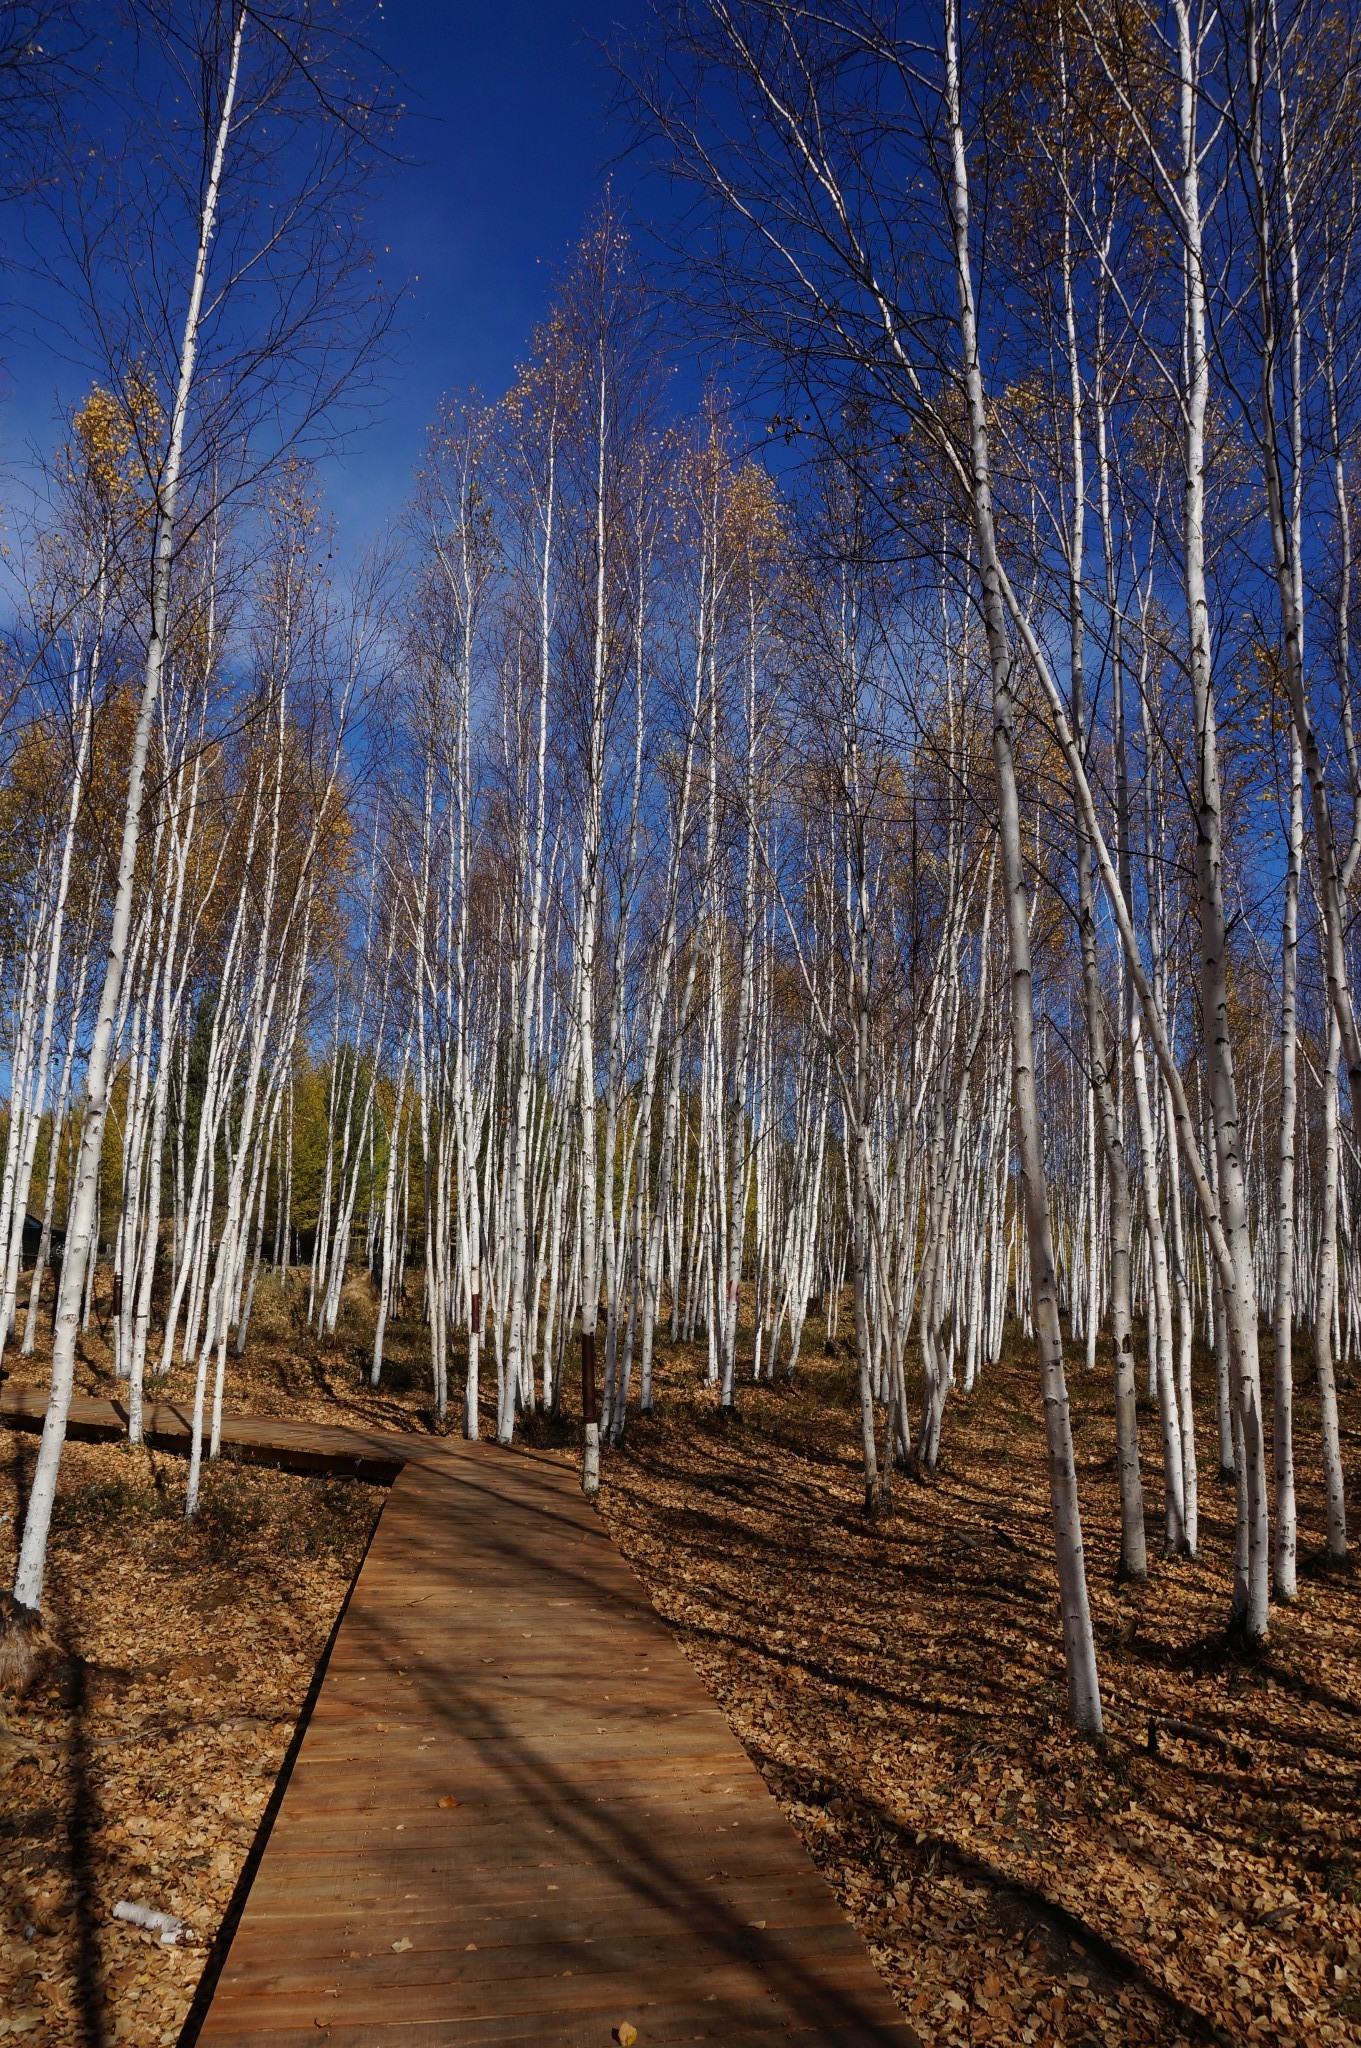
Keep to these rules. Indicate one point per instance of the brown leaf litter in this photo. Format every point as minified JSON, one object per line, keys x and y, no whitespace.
{"x":1194,"y":1878}
{"x":140,"y":1763}
{"x":901,"y":1687}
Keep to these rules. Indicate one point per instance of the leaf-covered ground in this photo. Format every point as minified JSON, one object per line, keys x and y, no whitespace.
{"x":899,"y":1684}
{"x":141,"y":1764}
{"x":287,"y":1370}
{"x":901,"y":1688}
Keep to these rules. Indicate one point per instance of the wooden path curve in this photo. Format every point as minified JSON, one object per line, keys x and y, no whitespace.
{"x":340,"y":1449}
{"x":515,"y":1814}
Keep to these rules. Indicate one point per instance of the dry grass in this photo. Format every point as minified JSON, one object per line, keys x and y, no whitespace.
{"x":287,"y":1370}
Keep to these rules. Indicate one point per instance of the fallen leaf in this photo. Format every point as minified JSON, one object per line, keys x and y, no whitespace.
{"x":125,"y":1617}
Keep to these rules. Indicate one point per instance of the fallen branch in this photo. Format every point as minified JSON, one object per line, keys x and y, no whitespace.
{"x":1190,"y":1731}
{"x":167,"y":1731}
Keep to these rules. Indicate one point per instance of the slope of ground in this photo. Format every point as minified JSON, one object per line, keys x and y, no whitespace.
{"x":901,"y":1686}
{"x":139,"y":1767}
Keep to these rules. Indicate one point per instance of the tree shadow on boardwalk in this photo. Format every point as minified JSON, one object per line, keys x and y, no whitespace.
{"x":470,"y":1545}
{"x":236,"y":1906}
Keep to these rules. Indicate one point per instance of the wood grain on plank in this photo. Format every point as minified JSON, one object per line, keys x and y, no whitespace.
{"x":613,"y":1853}
{"x":515,"y":1816}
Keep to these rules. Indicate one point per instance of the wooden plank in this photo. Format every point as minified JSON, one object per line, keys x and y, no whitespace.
{"x":375,"y":1456}
{"x":660,"y":2025}
{"x":613,"y":1853}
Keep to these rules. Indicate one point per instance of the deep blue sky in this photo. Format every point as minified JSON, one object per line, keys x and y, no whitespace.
{"x":509,"y":131}
{"x":509,"y":140}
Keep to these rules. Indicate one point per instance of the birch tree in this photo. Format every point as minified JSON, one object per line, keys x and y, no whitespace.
{"x":241,"y":77}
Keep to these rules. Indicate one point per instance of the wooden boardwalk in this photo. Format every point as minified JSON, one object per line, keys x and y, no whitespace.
{"x":515,"y":1814}
{"x":338,"y":1448}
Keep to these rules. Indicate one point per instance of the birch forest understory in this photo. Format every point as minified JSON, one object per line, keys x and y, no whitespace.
{"x":786,"y":932}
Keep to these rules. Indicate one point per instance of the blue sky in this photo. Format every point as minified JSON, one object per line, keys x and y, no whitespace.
{"x":509,"y":130}
{"x":509,"y":141}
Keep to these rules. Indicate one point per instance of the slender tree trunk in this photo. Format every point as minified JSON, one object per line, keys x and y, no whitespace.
{"x":28,"y":1584}
{"x":1084,"y":1694}
{"x":1283,"y":1455}
{"x":1325,"y":1307}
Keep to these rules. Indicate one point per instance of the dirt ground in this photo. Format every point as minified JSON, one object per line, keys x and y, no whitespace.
{"x":140,"y":1766}
{"x":901,"y":1688}
{"x":900,"y":1685}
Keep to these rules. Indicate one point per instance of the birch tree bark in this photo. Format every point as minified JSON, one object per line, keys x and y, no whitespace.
{"x":1084,"y":1695}
{"x":28,"y":1583}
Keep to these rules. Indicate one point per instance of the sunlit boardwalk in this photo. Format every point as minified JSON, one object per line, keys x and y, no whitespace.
{"x":515,"y":1814}
{"x":340,"y":1449}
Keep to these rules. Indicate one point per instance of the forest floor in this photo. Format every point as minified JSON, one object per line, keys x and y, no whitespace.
{"x":899,"y":1684}
{"x":140,"y":1765}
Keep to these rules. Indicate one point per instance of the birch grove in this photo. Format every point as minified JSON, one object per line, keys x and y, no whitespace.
{"x":899,"y":876}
